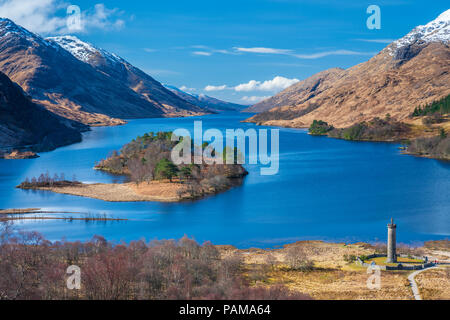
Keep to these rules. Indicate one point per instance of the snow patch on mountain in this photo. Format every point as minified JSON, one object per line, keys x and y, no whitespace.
{"x":83,"y":51}
{"x":437,"y":30}
{"x":8,"y":27}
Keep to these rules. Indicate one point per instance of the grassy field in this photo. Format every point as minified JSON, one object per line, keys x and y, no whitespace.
{"x":381,"y":261}
{"x":433,"y":284}
{"x":332,"y":275}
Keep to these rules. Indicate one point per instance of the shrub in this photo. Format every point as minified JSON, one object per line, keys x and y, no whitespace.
{"x":165,"y":169}
{"x":436,"y":147}
{"x":319,"y":128}
{"x":349,"y":258}
{"x":297,"y":259}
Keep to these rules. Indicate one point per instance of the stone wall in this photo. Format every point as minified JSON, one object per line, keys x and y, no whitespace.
{"x":399,"y":266}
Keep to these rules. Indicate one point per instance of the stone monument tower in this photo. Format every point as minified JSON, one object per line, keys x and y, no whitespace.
{"x":391,"y":244}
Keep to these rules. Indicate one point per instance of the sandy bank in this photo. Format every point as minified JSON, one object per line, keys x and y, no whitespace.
{"x":126,"y":192}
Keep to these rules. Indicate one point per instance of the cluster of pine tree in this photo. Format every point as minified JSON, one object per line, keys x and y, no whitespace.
{"x":441,"y":106}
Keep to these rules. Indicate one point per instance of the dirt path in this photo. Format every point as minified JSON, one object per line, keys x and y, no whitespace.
{"x":413,"y":283}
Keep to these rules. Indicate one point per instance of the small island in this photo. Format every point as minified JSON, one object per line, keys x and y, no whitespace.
{"x":152,"y":175}
{"x":19,"y":155}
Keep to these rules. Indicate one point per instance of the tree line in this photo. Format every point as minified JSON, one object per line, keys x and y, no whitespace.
{"x":45,"y":180}
{"x":441,"y":106}
{"x":32,"y":267}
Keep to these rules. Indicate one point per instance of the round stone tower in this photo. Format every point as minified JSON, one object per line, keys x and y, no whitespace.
{"x":391,"y":244}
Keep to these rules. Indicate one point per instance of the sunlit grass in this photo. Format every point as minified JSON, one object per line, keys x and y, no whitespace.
{"x":381,"y":261}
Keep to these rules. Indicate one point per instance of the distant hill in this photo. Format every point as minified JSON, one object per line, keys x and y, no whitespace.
{"x":26,"y":124}
{"x":117,"y":68}
{"x":84,"y":84}
{"x":300,"y":92}
{"x":412,"y":71}
{"x":206,"y":102}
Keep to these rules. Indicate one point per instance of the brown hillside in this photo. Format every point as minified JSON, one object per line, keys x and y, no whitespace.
{"x":384,"y":84}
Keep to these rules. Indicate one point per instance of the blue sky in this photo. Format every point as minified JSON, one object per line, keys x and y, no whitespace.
{"x":240,"y":50}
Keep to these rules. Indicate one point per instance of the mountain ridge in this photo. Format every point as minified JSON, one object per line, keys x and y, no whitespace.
{"x":205,"y":101}
{"x":137,"y":80}
{"x":78,"y":90}
{"x":409,"y":72}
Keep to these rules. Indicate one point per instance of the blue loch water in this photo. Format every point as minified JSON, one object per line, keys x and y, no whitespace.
{"x":326,"y":189}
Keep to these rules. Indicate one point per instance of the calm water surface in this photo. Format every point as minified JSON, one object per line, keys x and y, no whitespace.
{"x":326,"y":189}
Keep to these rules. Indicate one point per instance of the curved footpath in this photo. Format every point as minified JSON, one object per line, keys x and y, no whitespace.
{"x":413,"y":283}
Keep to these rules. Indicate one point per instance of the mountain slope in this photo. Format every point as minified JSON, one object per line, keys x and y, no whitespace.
{"x":206,"y":102}
{"x":26,"y":124}
{"x":412,"y":71}
{"x":73,"y":88}
{"x":117,"y":68}
{"x":300,"y":92}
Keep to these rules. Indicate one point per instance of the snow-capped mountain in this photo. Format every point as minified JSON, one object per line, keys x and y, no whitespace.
{"x":205,"y":101}
{"x":78,"y":81}
{"x":82,"y":50}
{"x":129,"y":75}
{"x":437,"y":30}
{"x":412,"y":71}
{"x":9,"y":28}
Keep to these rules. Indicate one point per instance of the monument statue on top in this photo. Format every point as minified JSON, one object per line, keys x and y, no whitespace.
{"x":391,"y":244}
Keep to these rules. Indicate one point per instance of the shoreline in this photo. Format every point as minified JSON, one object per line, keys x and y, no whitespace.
{"x":120,"y":192}
{"x":417,"y":132}
{"x":155,"y":191}
{"x":22,"y":214}
{"x":4,"y":219}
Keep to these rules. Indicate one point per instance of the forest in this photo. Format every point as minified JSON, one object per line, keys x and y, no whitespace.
{"x":441,"y":106}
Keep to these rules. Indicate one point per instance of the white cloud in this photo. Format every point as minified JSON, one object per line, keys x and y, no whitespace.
{"x":288,"y":52}
{"x":254,"y":99}
{"x":276,"y":84}
{"x":264,"y":50}
{"x":203,"y":50}
{"x":50,"y":16}
{"x":202,"y":53}
{"x":186,"y":89}
{"x":215,"y":88}
{"x":102,"y":18}
{"x":331,"y":53}
{"x":252,"y":85}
